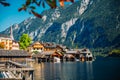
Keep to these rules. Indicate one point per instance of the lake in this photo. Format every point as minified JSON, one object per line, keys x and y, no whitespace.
{"x":100,"y":69}
{"x":1,"y":76}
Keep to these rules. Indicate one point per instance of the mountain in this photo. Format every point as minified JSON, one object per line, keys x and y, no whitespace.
{"x":85,"y":23}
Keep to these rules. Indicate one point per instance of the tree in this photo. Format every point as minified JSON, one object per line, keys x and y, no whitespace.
{"x":2,"y":45}
{"x":115,"y":53}
{"x":31,"y":9}
{"x":4,"y":3}
{"x":30,"y":5}
{"x":25,"y":41}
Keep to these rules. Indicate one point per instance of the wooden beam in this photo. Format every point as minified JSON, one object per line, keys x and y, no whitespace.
{"x":16,"y":69}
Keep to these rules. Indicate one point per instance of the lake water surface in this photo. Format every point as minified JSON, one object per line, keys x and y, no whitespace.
{"x":100,"y":69}
{"x":1,"y":76}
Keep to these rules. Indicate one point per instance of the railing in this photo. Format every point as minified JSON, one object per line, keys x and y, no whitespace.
{"x":16,"y":69}
{"x":17,"y":72}
{"x":17,"y":64}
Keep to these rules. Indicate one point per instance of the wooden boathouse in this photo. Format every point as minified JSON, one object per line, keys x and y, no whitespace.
{"x":14,"y":55}
{"x":79,"y":55}
{"x":47,"y":56}
{"x":13,"y":62}
{"x":70,"y":55}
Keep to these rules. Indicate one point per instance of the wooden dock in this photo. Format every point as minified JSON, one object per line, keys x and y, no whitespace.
{"x":16,"y":69}
{"x":16,"y":64}
{"x":11,"y":79}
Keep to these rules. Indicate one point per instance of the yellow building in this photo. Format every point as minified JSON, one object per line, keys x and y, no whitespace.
{"x":40,"y":47}
{"x":37,"y":46}
{"x":6,"y":41}
{"x":9,"y":42}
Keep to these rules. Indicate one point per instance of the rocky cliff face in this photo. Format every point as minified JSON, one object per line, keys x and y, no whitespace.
{"x":86,"y":23}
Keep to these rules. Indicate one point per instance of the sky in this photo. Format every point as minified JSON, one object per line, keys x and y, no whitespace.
{"x":10,"y":15}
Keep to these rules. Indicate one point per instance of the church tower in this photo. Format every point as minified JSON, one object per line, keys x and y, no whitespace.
{"x":11,"y":34}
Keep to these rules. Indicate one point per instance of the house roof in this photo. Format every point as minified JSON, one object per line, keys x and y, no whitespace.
{"x":14,"y":53}
{"x":85,"y":51}
{"x":57,"y":53}
{"x":51,"y":47}
{"x":71,"y":52}
{"x":48,"y":52}
{"x":5,"y":36}
{"x":43,"y":54}
{"x":15,"y":41}
{"x":36,"y":43}
{"x":62,"y":46}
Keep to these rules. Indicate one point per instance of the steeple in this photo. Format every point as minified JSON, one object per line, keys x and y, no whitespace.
{"x":11,"y":34}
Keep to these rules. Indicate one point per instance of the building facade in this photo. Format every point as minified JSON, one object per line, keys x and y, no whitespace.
{"x":37,"y":46}
{"x":6,"y":41}
{"x":9,"y":42}
{"x":15,"y":45}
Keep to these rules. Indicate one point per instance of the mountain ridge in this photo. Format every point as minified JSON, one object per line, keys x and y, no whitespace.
{"x":86,"y":23}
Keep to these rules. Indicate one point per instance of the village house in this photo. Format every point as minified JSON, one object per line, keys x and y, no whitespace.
{"x":46,"y":56}
{"x":49,"y":46}
{"x":78,"y":54}
{"x":9,"y":42}
{"x":53,"y":47}
{"x":40,"y":47}
{"x":71,"y":55}
{"x":15,"y":45}
{"x":51,"y":50}
{"x":6,"y":41}
{"x":47,"y":51}
{"x":36,"y":46}
{"x":85,"y":54}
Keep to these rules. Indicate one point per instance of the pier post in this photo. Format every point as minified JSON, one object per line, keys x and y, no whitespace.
{"x":19,"y":75}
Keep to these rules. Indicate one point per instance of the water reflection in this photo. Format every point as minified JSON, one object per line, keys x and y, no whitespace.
{"x":89,"y":69}
{"x":38,"y":73}
{"x":102,"y":69}
{"x":63,"y":71}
